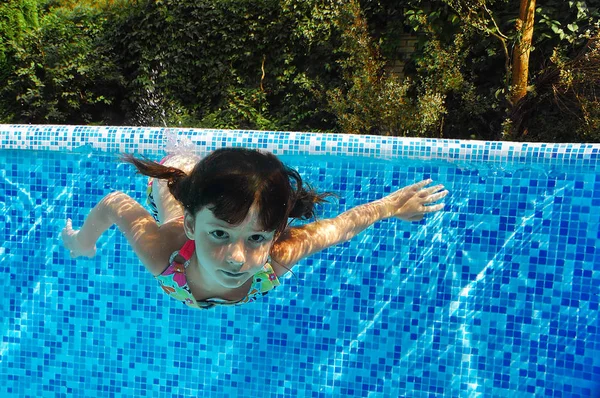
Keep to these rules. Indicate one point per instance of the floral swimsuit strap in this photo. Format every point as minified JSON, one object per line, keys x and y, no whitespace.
{"x":187,"y":251}
{"x":173,"y":280}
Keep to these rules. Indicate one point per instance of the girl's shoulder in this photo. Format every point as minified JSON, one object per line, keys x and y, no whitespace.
{"x":171,"y":238}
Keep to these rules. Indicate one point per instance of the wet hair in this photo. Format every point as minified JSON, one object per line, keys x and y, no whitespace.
{"x":230,"y":180}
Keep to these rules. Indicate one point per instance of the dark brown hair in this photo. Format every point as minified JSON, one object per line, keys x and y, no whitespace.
{"x":230,"y":180}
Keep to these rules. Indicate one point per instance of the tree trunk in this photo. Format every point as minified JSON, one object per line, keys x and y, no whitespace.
{"x":520,"y":63}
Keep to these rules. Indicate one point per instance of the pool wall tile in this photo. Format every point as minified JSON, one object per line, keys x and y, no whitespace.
{"x":148,"y":139}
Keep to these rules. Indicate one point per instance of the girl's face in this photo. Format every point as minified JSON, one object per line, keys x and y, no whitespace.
{"x":228,"y":255}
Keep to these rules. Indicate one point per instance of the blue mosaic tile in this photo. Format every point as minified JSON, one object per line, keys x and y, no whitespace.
{"x":497,"y":295}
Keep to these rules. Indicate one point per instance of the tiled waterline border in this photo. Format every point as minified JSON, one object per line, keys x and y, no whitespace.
{"x":153,"y":139}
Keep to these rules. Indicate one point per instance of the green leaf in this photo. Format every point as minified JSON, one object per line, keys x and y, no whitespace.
{"x":582,"y":10}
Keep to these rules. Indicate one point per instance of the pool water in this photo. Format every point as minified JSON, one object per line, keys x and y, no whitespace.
{"x":495,"y":296}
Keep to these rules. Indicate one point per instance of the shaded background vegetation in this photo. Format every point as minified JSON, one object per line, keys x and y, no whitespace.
{"x":311,"y":65}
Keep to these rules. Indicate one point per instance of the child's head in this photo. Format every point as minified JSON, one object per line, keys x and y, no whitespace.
{"x":229,"y":181}
{"x":237,"y":201}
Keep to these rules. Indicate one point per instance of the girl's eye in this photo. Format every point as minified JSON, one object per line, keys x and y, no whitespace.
{"x":257,"y":238}
{"x":219,"y":234}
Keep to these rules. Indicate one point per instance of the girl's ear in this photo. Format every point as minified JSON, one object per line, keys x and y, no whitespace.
{"x":189,"y":222}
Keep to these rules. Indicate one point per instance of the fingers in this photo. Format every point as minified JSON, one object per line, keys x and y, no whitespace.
{"x":437,"y":196}
{"x":419,"y":188}
{"x":433,"y":208}
{"x":434,"y":189}
{"x":67,"y":230}
{"x":421,"y":184}
{"x":432,"y":194}
{"x":430,"y":190}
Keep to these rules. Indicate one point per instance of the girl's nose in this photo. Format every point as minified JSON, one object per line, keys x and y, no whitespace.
{"x":236,"y":256}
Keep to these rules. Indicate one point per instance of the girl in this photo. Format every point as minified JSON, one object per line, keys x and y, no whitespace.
{"x":221,"y":234}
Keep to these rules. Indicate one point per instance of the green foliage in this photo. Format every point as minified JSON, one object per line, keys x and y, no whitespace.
{"x":59,"y":73}
{"x":237,"y":63}
{"x":471,"y":64}
{"x":314,"y":65}
{"x":246,"y":109}
{"x":563,"y":100}
{"x":16,"y":18}
{"x":566,"y":104}
{"x":370,"y":102}
{"x":453,"y":101}
{"x":573,"y":22}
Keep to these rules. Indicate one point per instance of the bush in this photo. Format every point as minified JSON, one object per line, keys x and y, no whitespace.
{"x":235,"y":64}
{"x":310,"y":65}
{"x":61,"y":72}
{"x":565,"y":105}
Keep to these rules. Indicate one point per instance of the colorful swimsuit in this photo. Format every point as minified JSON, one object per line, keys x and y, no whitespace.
{"x":174,"y":283}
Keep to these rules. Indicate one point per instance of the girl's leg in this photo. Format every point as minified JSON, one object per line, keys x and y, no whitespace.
{"x":167,"y":207}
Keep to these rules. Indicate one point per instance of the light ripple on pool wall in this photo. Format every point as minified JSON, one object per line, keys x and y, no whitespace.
{"x":495,"y":296}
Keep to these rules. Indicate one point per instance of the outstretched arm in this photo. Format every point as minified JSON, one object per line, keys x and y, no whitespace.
{"x":146,"y":238}
{"x":83,"y":242}
{"x":410,"y":204}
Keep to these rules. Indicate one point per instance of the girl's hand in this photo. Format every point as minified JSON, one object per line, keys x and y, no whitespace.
{"x":69,"y":238}
{"x":411,"y":203}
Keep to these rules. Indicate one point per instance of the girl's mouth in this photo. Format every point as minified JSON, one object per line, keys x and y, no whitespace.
{"x":232,"y":274}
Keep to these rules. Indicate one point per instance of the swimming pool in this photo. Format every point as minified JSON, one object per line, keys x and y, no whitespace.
{"x":495,"y":296}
